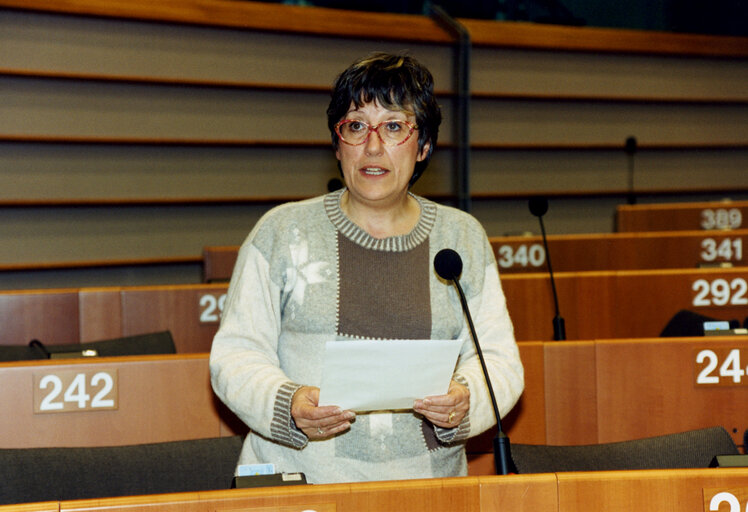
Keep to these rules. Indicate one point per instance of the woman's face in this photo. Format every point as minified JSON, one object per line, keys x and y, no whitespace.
{"x":377,"y":174}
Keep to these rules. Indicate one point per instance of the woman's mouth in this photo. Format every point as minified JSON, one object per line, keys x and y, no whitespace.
{"x":373,"y":171}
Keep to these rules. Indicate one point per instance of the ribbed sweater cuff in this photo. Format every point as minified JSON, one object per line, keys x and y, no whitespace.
{"x":282,"y":427}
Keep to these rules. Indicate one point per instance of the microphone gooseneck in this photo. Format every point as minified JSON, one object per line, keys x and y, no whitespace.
{"x":539,"y":207}
{"x":448,"y":266}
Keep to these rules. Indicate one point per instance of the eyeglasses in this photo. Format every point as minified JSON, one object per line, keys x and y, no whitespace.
{"x":391,"y":133}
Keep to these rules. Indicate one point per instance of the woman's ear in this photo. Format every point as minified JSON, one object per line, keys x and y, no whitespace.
{"x":424,"y":152}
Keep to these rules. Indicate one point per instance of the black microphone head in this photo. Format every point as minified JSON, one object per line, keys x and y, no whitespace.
{"x":630,"y":145}
{"x":538,"y":206}
{"x":448,"y":264}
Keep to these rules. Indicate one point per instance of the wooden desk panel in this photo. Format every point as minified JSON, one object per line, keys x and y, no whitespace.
{"x":49,"y":316}
{"x":611,"y":491}
{"x":100,"y":314}
{"x":525,"y":423}
{"x":161,"y":398}
{"x":623,"y":304}
{"x":571,"y":399}
{"x":675,"y":490}
{"x":682,"y":216}
{"x":578,"y":252}
{"x":218,"y":262}
{"x":435,"y":495}
{"x":191,"y":312}
{"x":648,"y":387}
{"x":622,"y":251}
{"x":50,"y":506}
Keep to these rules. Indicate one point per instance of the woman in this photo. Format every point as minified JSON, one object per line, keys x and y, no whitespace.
{"x":357,"y":264}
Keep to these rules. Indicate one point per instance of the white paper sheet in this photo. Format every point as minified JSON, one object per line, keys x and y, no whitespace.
{"x":373,"y":375}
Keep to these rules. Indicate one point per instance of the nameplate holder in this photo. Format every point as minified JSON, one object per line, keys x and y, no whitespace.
{"x":274,"y":480}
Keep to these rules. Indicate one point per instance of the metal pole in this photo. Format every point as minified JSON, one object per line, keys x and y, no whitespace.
{"x":462,"y":111}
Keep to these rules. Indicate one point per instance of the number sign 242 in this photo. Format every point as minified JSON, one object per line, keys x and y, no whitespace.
{"x":75,"y":391}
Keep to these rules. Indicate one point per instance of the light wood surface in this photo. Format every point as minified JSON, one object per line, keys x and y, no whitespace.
{"x":578,"y":252}
{"x":679,"y":216}
{"x":582,"y":392}
{"x":50,"y":316}
{"x":160,"y":398}
{"x":611,"y":304}
{"x":647,"y":387}
{"x":654,"y":490}
{"x":622,"y":251}
{"x":612,"y":491}
{"x":190,"y":312}
{"x":620,"y":304}
{"x":356,"y":24}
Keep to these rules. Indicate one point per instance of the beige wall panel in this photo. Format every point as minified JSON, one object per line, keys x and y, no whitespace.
{"x":96,"y":233}
{"x":105,"y":46}
{"x":544,"y":72}
{"x":88,"y":109}
{"x":702,"y":169}
{"x":81,"y":171}
{"x":519,"y":171}
{"x":574,"y":215}
{"x":140,"y":275}
{"x":498,"y":121}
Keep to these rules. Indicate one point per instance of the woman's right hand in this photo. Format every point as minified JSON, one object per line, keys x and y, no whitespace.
{"x":318,"y":422}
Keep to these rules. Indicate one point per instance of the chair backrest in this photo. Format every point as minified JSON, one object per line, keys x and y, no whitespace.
{"x":52,"y":474}
{"x":142,"y":344}
{"x":692,"y":449}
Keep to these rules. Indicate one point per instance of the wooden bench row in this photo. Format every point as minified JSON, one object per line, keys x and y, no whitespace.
{"x":612,"y":304}
{"x":682,"y":216}
{"x":579,"y":252}
{"x":612,"y":491}
{"x":576,"y":393}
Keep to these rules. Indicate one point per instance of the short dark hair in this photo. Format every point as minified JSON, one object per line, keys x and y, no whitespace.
{"x":396,"y":82}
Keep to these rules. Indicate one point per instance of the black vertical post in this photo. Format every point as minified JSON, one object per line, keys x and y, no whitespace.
{"x":462,"y":111}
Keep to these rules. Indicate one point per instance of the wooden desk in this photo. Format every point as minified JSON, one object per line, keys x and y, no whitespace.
{"x":218,"y":262}
{"x":50,"y":316}
{"x":622,"y":251}
{"x":611,"y":491}
{"x":582,"y":392}
{"x":675,"y":490}
{"x":622,"y":304}
{"x":613,"y":304}
{"x":157,"y":398}
{"x":615,"y":390}
{"x":579,"y":252}
{"x":682,"y":216}
{"x":191,"y":312}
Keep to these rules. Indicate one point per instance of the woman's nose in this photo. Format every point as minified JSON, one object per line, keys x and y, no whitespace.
{"x":373,"y":145}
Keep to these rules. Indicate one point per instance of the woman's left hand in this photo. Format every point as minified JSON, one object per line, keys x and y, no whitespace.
{"x":448,"y":410}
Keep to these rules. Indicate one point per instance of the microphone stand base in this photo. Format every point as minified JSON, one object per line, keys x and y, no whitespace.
{"x":502,"y":454}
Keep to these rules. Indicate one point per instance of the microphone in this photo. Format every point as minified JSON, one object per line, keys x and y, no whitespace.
{"x":538,"y":207}
{"x":448,"y":266}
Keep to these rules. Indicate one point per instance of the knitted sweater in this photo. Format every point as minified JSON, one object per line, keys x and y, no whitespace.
{"x":305,"y":275}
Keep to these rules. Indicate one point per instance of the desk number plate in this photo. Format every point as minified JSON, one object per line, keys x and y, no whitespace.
{"x":75,"y":391}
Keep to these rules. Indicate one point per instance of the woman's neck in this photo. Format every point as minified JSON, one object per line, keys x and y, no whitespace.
{"x":382,"y":221}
